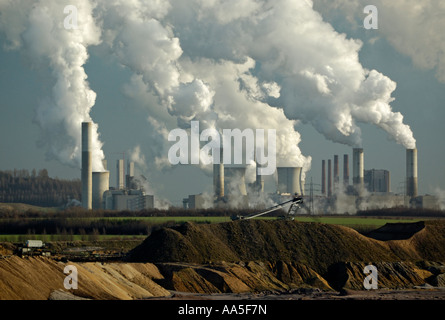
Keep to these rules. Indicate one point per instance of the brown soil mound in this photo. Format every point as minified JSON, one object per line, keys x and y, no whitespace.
{"x":42,"y":278}
{"x":315,"y":245}
{"x":238,"y":257}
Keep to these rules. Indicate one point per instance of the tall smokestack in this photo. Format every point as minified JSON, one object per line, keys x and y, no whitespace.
{"x":346,"y":171}
{"x":218,"y":177}
{"x":129,"y":178}
{"x":120,"y":174}
{"x":329,"y":178}
{"x":87,"y":166}
{"x":358,"y":168}
{"x":411,"y":172}
{"x":323,"y":177}
{"x":336,"y":174}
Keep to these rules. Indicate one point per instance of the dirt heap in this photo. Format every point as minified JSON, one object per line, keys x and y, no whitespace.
{"x":252,"y":276}
{"x":248,"y":256}
{"x":39,"y":278}
{"x":315,"y":245}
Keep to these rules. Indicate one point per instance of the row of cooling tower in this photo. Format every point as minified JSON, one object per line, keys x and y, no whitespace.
{"x":358,"y":169}
{"x":289,"y":180}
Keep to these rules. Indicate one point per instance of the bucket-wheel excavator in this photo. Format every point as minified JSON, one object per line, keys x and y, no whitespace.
{"x":293,"y":208}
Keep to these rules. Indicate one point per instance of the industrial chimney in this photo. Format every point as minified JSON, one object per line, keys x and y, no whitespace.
{"x":329,"y":178}
{"x":336,"y":174}
{"x":323,"y":177}
{"x":87,"y":166}
{"x":358,"y":168}
{"x":411,"y":172}
{"x":120,"y":174}
{"x":129,"y":178}
{"x":218,"y":177}
{"x":345,"y":171}
{"x":289,"y":180}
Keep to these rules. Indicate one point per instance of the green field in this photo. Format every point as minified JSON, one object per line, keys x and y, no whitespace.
{"x":60,"y":237}
{"x":356,"y":221}
{"x":103,"y":230}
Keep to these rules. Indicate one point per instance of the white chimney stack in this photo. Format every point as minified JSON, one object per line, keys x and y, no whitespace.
{"x":411,"y":172}
{"x":358,"y":168}
{"x":87,"y":167}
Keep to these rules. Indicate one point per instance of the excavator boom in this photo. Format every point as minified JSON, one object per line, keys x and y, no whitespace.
{"x":294,"y":202}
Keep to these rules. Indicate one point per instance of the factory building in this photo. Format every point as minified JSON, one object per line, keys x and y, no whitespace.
{"x":133,"y":200}
{"x":129,"y":196}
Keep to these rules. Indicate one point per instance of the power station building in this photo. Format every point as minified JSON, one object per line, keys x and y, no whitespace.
{"x":96,"y":191}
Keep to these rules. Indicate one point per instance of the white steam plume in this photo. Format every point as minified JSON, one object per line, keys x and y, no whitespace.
{"x":411,"y":27}
{"x":317,"y":69}
{"x":37,"y":29}
{"x":258,"y":64}
{"x":227,"y":68}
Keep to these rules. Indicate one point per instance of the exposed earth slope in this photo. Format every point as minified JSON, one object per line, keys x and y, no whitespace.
{"x":251,"y":256}
{"x":316,"y":245}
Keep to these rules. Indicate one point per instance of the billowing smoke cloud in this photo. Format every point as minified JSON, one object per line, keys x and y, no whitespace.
{"x":257,"y":64}
{"x":405,"y":24}
{"x":37,"y":29}
{"x":221,"y":94}
{"x":270,"y":65}
{"x":317,"y":69}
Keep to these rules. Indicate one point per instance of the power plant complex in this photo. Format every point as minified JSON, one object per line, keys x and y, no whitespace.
{"x":370,"y":189}
{"x":96,"y":191}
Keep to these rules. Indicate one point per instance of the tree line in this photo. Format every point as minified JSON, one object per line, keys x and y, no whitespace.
{"x":37,"y":188}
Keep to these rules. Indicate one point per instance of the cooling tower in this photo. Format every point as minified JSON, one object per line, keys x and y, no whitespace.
{"x":358,"y":168}
{"x":289,"y":180}
{"x":323,"y":177}
{"x":87,"y":166}
{"x":411,"y":172}
{"x":218,"y":178}
{"x":235,"y":177}
{"x":259,"y":180}
{"x":120,"y":174}
{"x":101,"y":183}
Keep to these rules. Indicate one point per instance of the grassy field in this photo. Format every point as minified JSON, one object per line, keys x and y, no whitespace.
{"x":16,"y":238}
{"x":103,"y":230}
